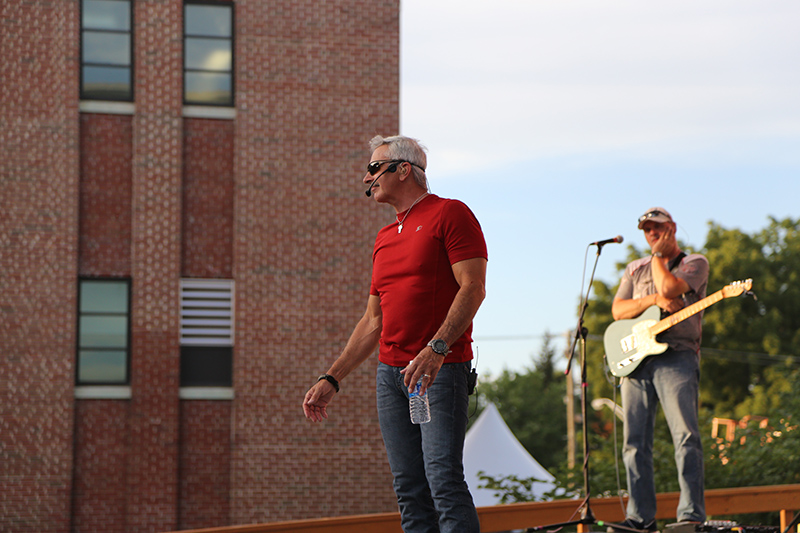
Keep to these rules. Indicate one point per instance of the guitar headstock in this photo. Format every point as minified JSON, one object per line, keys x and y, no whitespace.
{"x":737,"y":287}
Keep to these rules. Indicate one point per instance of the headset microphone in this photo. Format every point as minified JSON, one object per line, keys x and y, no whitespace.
{"x":390,"y":168}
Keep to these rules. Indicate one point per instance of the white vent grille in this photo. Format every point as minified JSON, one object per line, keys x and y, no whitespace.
{"x":206,"y":312}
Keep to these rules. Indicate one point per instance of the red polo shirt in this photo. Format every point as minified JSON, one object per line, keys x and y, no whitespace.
{"x":413,"y":276}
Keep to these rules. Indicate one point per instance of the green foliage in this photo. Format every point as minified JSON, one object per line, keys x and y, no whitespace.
{"x":761,"y":456}
{"x":597,"y":319}
{"x":532,"y":404}
{"x":745,"y":332}
{"x":511,"y":489}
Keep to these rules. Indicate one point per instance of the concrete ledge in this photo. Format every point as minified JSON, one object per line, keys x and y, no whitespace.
{"x":103,"y":392}
{"x":107,"y":108}
{"x":199,"y":111}
{"x":206,"y":393}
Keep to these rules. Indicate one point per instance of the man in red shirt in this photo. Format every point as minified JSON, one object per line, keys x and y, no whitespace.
{"x":428,"y":281}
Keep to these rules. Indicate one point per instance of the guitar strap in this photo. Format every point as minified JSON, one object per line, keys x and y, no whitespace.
{"x":675,"y":262}
{"x":671,"y":266}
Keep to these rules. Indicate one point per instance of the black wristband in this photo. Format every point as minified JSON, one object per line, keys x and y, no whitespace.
{"x":330,"y":379}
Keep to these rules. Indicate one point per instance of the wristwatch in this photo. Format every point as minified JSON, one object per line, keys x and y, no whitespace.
{"x":658,"y":254}
{"x":439,"y":346}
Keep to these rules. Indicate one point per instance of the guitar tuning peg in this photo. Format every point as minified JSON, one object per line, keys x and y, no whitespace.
{"x":751,"y":293}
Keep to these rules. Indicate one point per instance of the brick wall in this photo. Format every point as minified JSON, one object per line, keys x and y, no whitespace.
{"x":272,"y":198}
{"x":38,"y":263}
{"x":208,"y":199}
{"x":156,"y":252}
{"x":101,"y":460}
{"x":105,"y":199}
{"x":205,"y":464}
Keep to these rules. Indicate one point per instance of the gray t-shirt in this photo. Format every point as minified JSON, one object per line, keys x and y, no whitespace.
{"x":637,"y":282}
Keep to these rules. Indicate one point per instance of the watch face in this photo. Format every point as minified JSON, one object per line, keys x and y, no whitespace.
{"x":439,"y":346}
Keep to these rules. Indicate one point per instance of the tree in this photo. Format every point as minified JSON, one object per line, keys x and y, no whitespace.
{"x":532,"y":404}
{"x":743,"y":335}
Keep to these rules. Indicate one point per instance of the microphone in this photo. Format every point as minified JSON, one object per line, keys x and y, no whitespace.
{"x":618,"y":238}
{"x":368,"y":192}
{"x":390,"y":168}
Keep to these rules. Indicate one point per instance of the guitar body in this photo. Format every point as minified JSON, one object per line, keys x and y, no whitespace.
{"x":629,"y":342}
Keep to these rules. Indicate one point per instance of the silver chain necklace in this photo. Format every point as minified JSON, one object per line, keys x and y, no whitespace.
{"x":400,"y":222}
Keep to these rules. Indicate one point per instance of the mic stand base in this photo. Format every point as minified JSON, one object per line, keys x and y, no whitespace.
{"x":588,"y":521}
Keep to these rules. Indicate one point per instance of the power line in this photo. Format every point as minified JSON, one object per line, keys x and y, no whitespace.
{"x":508,"y":338}
{"x":762,"y":359}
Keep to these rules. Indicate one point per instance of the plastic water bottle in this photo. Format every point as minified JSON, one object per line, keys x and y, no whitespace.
{"x":418,"y":405}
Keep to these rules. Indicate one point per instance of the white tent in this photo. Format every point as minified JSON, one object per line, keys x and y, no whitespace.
{"x":492,"y":448}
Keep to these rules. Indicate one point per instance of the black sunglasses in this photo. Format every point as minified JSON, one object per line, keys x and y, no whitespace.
{"x":375,"y":166}
{"x":652,"y":214}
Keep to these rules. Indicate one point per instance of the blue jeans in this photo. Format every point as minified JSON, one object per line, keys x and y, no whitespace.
{"x":672,"y":378}
{"x":427,"y":459}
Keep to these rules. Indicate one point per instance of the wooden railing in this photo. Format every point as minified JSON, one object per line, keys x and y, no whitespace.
{"x":719,"y":502}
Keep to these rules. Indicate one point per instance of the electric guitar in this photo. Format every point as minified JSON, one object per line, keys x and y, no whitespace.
{"x":628,"y":342}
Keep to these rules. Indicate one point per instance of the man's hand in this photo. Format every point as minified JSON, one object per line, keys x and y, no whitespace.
{"x":317,"y":399}
{"x":666,"y":242}
{"x":426,"y":364}
{"x":670,"y":305}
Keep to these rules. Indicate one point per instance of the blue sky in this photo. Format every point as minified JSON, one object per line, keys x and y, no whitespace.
{"x":560,"y":122}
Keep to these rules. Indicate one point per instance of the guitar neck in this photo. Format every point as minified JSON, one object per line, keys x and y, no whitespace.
{"x":685,"y":313}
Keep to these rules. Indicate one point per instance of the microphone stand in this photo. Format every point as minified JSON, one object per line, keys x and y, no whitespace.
{"x":587,"y":516}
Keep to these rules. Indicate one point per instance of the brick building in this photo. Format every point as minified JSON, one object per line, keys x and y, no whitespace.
{"x":185,"y":245}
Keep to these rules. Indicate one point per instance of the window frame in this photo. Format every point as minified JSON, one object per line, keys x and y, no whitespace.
{"x":128,"y":333}
{"x":232,"y":39}
{"x":83,"y":64}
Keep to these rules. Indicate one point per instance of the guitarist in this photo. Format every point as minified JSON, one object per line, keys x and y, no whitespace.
{"x":671,"y":280}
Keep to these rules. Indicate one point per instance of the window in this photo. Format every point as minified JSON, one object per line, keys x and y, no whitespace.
{"x":206,"y":333}
{"x":106,"y":50}
{"x":103,"y":332}
{"x":208,"y":54}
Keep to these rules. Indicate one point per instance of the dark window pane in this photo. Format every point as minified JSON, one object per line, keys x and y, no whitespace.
{"x":106,"y":15}
{"x":106,"y":48}
{"x":208,"y":88}
{"x":107,"y":83}
{"x":103,"y":331}
{"x":106,"y":366}
{"x":208,"y":54}
{"x":206,"y":366}
{"x":104,"y":297}
{"x":212,"y":21}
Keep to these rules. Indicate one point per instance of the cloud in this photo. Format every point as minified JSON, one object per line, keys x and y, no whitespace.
{"x":512,"y":81}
